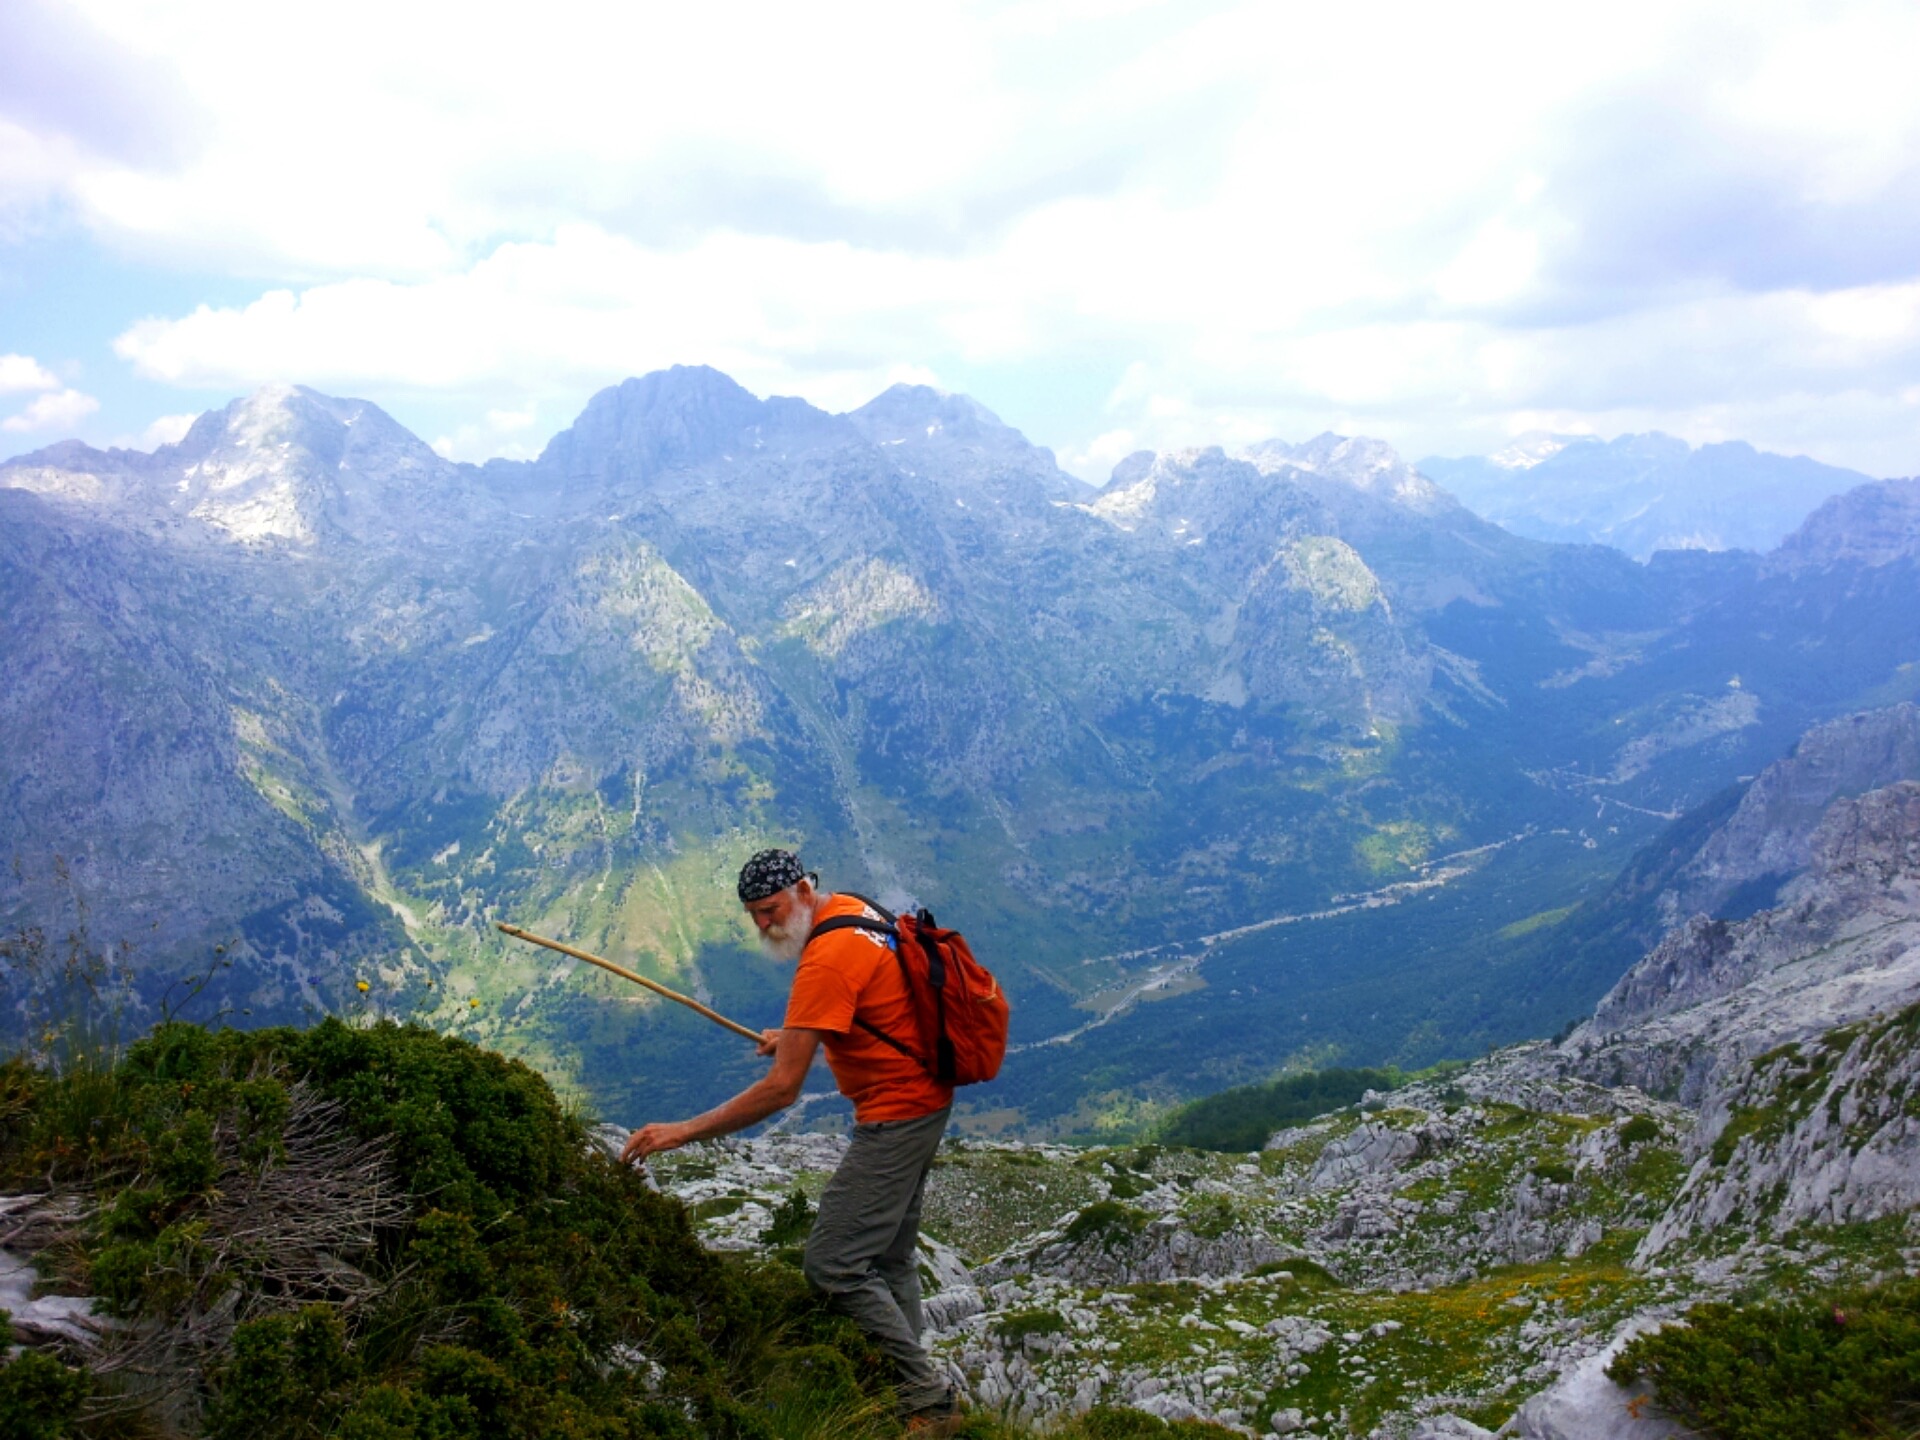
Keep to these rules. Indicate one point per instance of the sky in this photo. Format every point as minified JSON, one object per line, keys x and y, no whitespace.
{"x":1119,"y":225}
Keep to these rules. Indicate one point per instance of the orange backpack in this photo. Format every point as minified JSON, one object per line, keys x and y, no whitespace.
{"x":957,"y":1004}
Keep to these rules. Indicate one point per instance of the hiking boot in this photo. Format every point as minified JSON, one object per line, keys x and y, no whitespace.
{"x":936,"y":1421}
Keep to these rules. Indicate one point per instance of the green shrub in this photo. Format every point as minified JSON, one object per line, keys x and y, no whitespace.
{"x":1114,"y":1422}
{"x":285,"y":1379}
{"x":792,"y":1221}
{"x":1210,"y":1216}
{"x":1107,"y":1221}
{"x":506,"y":1294}
{"x":1240,"y":1120}
{"x":1844,"y":1367}
{"x":813,"y":1392}
{"x":1017,"y":1325}
{"x":39,"y":1396}
{"x":1639,"y":1130}
{"x":1554,"y":1172}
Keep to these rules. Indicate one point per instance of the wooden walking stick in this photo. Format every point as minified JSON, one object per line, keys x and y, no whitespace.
{"x":625,"y":974}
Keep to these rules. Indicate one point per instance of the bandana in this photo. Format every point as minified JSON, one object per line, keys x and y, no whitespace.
{"x":768,"y":873}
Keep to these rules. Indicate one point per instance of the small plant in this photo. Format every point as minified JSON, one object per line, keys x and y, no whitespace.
{"x":792,"y":1221}
{"x":1209,"y":1216}
{"x":1638,"y":1131}
{"x":1015,"y":1326}
{"x":1107,"y":1221}
{"x":39,"y":1397}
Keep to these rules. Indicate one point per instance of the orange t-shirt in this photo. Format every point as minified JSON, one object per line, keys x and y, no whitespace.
{"x":856,"y":970}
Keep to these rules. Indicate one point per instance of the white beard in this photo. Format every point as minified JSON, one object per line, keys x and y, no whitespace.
{"x":785,"y":942}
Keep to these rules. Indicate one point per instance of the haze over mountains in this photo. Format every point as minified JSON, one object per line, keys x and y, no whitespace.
{"x":1642,"y":493}
{"x":300,"y":685}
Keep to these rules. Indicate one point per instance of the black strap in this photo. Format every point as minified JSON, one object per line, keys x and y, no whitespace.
{"x":873,"y":905}
{"x":852,"y":922}
{"x":881,"y":1035}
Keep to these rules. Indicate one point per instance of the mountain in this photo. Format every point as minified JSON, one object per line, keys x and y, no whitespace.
{"x":1642,"y":493}
{"x":1869,"y":526}
{"x":1242,"y":758}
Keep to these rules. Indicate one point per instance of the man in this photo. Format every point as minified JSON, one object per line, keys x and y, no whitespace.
{"x":861,"y":1250}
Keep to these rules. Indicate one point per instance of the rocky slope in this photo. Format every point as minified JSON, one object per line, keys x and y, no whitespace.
{"x":1770,"y":836}
{"x":1438,"y":1261}
{"x":1870,"y":525}
{"x":1842,"y":944}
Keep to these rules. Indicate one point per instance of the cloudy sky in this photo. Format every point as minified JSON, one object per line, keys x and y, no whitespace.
{"x":1120,"y":225}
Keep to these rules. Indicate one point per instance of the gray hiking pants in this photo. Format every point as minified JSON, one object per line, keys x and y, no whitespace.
{"x":861,"y":1250}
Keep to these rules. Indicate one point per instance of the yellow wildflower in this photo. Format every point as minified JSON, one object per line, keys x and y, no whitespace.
{"x":361,"y":986}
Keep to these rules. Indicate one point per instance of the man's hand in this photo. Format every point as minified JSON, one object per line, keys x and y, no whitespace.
{"x":651,"y":1140}
{"x":792,"y":1052}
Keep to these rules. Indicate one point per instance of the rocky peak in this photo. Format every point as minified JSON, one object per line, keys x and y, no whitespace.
{"x":1869,"y":525}
{"x":72,"y":473}
{"x":1192,"y":495}
{"x":1641,"y":493}
{"x":1842,"y":944}
{"x":1770,"y":836}
{"x":975,"y":451}
{"x":679,"y":418}
{"x":1870,"y":844}
{"x":284,"y":465}
{"x":1655,"y":447}
{"x":1534,"y":448}
{"x":1134,"y":467}
{"x":902,"y":412}
{"x":289,"y":464}
{"x":1372,"y":467}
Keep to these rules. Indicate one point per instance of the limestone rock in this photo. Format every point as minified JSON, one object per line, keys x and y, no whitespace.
{"x":1584,"y":1404}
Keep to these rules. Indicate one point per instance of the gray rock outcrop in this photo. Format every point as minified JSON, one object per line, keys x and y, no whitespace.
{"x":1844,"y":943}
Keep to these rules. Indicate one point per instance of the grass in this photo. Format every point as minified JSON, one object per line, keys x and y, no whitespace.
{"x":1545,"y":919}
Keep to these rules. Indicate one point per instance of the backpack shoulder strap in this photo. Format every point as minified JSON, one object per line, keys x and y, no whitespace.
{"x":851,"y":922}
{"x":883,"y":926}
{"x":873,"y":905}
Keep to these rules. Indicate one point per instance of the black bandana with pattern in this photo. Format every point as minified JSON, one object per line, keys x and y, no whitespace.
{"x":768,"y":873}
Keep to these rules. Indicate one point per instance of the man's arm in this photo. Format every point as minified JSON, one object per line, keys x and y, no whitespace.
{"x":777,"y":1089}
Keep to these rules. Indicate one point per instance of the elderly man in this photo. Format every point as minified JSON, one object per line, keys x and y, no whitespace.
{"x":850,"y":996}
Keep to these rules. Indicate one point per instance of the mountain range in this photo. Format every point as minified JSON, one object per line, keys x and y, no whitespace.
{"x":1642,"y":493}
{"x":1241,"y":760}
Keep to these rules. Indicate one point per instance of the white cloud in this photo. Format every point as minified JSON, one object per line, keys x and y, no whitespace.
{"x":24,"y":373}
{"x":56,"y":410}
{"x":836,"y":325}
{"x":167,"y":430}
{"x":1095,"y":460}
{"x":1479,"y":211}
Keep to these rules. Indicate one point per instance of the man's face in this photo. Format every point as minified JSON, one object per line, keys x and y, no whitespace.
{"x":783,"y":919}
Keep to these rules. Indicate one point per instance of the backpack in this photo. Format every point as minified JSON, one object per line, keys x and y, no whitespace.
{"x":955,"y":999}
